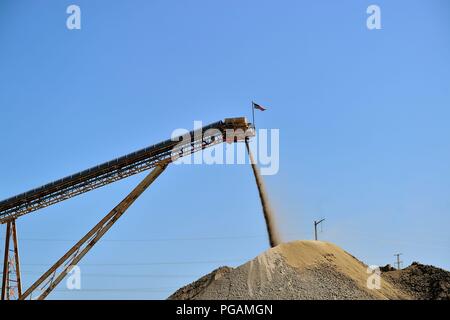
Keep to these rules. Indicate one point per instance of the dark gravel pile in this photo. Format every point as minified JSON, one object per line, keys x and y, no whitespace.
{"x":421,"y":281}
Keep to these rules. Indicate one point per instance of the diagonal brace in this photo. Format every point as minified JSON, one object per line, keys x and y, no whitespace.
{"x":52,"y":278}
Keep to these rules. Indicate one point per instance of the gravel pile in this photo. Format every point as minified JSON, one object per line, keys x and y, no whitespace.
{"x":295,"y":270}
{"x":422,"y":282}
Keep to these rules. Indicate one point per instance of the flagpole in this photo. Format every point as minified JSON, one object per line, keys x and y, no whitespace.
{"x":253,"y":113}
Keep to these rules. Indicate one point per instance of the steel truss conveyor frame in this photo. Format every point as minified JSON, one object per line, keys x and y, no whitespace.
{"x":120,"y":168}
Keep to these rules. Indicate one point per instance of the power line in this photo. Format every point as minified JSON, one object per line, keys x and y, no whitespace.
{"x":168,"y":289}
{"x":122,"y":275}
{"x":146,"y":263}
{"x":148,"y":240}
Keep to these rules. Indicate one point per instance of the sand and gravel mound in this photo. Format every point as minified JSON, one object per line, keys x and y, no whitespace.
{"x":422,"y":282}
{"x":295,"y":270}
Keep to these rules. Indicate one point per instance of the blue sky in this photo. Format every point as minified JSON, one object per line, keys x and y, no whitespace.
{"x":363,"y":118}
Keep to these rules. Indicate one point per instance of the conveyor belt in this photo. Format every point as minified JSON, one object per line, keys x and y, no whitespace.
{"x":119,"y":168}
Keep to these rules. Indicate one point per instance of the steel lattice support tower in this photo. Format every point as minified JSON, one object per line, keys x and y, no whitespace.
{"x":11,"y":282}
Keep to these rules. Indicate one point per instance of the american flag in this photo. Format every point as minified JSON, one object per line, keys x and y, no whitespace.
{"x":259,"y":107}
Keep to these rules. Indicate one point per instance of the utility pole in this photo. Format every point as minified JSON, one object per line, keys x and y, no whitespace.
{"x":316,"y":223}
{"x":398,"y":260}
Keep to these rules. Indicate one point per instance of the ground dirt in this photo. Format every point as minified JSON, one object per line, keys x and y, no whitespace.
{"x":315,"y":270}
